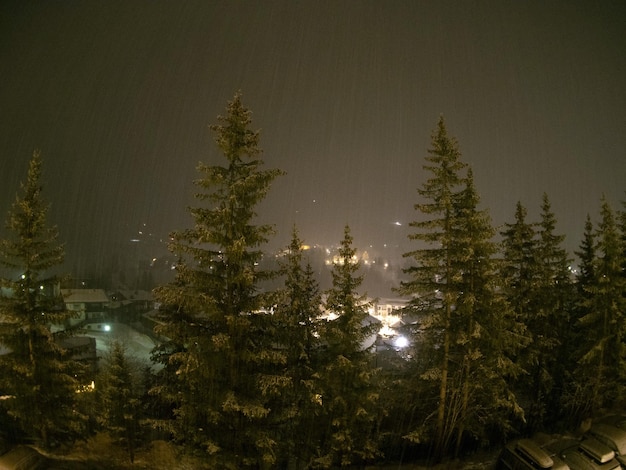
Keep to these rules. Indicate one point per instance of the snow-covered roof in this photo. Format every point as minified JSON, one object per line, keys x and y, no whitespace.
{"x":138,"y":294}
{"x":83,"y":295}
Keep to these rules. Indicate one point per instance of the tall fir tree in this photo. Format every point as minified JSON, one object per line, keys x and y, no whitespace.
{"x":432,"y":279}
{"x":487,"y":335}
{"x":587,"y":257}
{"x":520,"y":261}
{"x":468,"y":334}
{"x":120,"y":397}
{"x":37,"y":374}
{"x":221,"y":355}
{"x":553,"y":296}
{"x":298,"y":318}
{"x":348,"y":392}
{"x":604,"y":322}
{"x":520,"y":281}
{"x":621,"y":225}
{"x":577,"y":399}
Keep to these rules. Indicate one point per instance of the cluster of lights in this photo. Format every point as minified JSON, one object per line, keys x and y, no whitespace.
{"x":340,"y":261}
{"x":399,"y":342}
{"x":87,"y":388}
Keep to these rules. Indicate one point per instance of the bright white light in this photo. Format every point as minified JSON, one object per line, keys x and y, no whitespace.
{"x":107,"y":327}
{"x":401,"y":342}
{"x":397,"y":223}
{"x":386,"y":331}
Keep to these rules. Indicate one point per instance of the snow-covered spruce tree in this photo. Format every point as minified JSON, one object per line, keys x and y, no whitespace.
{"x":348,"y":392}
{"x":536,"y":281}
{"x":467,"y":332}
{"x":297,"y":319}
{"x":487,"y":336}
{"x":520,"y":261}
{"x":520,"y":282}
{"x":431,"y":278}
{"x":119,"y":393}
{"x":219,"y":361}
{"x":577,"y":399}
{"x":37,"y":378}
{"x":604,"y":321}
{"x":554,"y":302}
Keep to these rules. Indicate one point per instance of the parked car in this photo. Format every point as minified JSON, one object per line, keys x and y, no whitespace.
{"x":23,"y":458}
{"x":527,"y":454}
{"x":612,"y":437}
{"x":586,"y":454}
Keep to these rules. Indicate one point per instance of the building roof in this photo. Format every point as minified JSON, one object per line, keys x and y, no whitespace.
{"x":395,"y":302}
{"x":84,"y":295}
{"x":83,"y":347}
{"x":136,"y":295}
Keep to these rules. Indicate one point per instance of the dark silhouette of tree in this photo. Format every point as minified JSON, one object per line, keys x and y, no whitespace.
{"x":577,"y":400}
{"x":604,"y":320}
{"x":220,"y":358}
{"x":37,"y":377}
{"x":486,"y":334}
{"x":348,"y":393}
{"x":431,"y":277}
{"x":297,"y":318}
{"x":520,"y":271}
{"x":120,"y":397}
{"x":537,"y":284}
{"x":554,"y":296}
{"x":467,"y":333}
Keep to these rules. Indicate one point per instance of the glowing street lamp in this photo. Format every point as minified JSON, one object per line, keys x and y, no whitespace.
{"x":401,"y":342}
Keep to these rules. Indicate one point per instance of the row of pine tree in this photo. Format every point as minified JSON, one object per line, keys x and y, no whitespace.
{"x":508,"y":339}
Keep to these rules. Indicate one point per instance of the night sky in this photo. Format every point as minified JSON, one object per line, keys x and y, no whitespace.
{"x":118,"y":96}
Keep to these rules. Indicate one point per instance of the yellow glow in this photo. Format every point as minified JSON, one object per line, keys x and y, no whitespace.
{"x":87,"y":388}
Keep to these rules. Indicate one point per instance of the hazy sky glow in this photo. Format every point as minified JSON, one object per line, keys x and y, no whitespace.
{"x":118,"y":96}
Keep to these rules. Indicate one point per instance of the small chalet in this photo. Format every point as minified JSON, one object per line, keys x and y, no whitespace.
{"x":129,"y":305}
{"x":89,"y":305}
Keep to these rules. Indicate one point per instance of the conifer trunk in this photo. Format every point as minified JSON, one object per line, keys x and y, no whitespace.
{"x":443,"y":391}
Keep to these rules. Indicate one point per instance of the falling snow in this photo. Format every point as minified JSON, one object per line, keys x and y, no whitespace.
{"x":118,"y":97}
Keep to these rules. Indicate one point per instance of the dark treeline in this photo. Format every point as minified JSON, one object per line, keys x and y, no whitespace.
{"x":506,"y":338}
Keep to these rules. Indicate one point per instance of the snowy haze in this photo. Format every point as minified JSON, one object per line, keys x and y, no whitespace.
{"x":118,"y":96}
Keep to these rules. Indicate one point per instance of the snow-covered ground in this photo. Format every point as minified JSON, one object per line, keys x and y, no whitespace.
{"x":137,"y":344}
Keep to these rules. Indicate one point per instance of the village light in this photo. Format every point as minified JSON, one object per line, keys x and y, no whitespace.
{"x":401,"y":342}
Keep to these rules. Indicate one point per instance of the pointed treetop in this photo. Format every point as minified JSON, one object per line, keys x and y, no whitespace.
{"x":443,"y":145}
{"x":32,"y":245}
{"x":233,"y":134}
{"x":32,"y":185}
